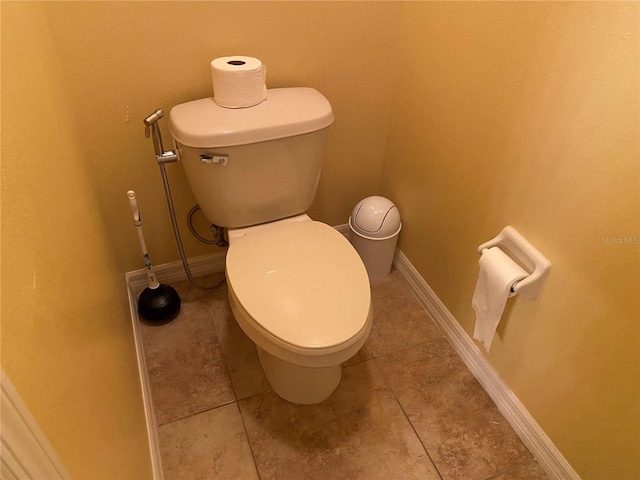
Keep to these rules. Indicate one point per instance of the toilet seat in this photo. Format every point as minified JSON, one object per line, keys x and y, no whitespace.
{"x":302,"y":283}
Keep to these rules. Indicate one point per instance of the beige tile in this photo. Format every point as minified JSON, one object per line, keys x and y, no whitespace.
{"x":209,"y":445}
{"x":360,"y":432}
{"x":186,"y":367}
{"x":361,"y":355}
{"x":399,"y":321}
{"x":522,"y":472}
{"x":462,"y":429}
{"x":239,"y":351}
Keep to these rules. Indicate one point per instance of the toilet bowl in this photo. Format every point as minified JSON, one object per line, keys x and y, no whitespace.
{"x":297,"y":287}
{"x":299,"y":290}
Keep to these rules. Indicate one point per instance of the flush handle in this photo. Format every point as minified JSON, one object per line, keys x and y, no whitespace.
{"x":215,"y":158}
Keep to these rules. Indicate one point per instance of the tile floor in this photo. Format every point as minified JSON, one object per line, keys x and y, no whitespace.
{"x":406,"y":408}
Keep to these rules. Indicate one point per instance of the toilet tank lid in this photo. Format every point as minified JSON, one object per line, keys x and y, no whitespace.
{"x":286,"y":112}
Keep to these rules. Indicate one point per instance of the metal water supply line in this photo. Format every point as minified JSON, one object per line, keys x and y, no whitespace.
{"x":152,"y":130}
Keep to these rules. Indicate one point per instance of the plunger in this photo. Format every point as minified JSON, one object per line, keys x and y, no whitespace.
{"x":158,"y":303}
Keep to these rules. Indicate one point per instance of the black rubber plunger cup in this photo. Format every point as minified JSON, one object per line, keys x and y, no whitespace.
{"x":158,"y":303}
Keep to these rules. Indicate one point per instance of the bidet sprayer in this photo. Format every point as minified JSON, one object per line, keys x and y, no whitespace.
{"x":153,"y":130}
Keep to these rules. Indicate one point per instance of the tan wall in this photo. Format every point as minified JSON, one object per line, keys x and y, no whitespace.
{"x":67,"y":343}
{"x":527,"y":114}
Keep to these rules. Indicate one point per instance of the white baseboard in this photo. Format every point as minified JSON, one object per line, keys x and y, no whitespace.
{"x":511,"y":408}
{"x":174,"y":271}
{"x":136,"y":279}
{"x":25,"y":452}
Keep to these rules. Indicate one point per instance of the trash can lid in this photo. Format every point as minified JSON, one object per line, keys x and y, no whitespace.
{"x":375,"y":218}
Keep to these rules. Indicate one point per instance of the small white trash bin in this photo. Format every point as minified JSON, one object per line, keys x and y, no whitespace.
{"x":374,"y":226}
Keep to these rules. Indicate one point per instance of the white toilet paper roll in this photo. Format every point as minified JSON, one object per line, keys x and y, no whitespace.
{"x":238,"y":82}
{"x":498,"y":272}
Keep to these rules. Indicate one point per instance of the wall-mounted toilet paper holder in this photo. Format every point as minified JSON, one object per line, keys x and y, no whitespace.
{"x":520,"y":250}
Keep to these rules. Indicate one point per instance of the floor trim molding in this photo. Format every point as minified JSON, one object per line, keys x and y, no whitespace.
{"x":134,"y":281}
{"x":25,"y":452}
{"x":174,"y":271}
{"x":511,"y":408}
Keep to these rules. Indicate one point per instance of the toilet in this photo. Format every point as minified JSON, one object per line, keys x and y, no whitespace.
{"x":297,"y":287}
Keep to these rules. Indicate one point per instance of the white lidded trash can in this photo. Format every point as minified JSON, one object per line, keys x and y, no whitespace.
{"x":374,"y":227}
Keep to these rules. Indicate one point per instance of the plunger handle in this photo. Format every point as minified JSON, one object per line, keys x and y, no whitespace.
{"x":137,"y":221}
{"x":133,"y":203}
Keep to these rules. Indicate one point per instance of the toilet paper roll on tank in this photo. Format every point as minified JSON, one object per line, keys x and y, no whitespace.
{"x":238,"y":81}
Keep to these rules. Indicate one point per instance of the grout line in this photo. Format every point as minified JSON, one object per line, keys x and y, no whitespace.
{"x":214,"y":320}
{"x":246,"y":434}
{"x":195,"y":413}
{"x":224,"y":351}
{"x":404,"y":348}
{"x":426,"y":450}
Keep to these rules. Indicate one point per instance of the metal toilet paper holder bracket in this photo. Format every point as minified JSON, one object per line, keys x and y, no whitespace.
{"x":523,"y":253}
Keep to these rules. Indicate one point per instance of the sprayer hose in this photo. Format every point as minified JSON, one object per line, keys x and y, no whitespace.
{"x":176,"y":233}
{"x":193,"y":230}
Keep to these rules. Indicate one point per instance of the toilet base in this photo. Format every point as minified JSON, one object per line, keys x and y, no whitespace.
{"x":297,"y":384}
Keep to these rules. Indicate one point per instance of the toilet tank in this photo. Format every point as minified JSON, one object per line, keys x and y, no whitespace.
{"x":253,"y":165}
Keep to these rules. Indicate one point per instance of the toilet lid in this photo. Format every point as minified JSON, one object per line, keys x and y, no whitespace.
{"x":303,"y":282}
